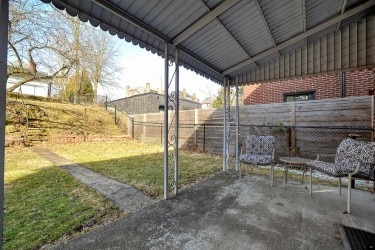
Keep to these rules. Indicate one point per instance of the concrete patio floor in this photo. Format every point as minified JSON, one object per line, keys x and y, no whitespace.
{"x":225,"y":212}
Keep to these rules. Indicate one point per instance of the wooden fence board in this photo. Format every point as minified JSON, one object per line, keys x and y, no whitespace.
{"x":340,"y":112}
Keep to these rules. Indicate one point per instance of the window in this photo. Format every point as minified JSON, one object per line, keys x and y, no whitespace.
{"x":299,"y":96}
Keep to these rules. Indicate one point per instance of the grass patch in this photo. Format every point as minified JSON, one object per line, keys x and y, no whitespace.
{"x":43,"y":203}
{"x":63,"y":118}
{"x":138,"y":164}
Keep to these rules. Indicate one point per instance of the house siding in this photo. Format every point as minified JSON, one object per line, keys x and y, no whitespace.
{"x":357,"y":83}
{"x":148,"y":103}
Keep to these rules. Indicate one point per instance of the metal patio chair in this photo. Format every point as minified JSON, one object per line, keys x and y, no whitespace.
{"x":354,"y":159}
{"x":260,"y":150}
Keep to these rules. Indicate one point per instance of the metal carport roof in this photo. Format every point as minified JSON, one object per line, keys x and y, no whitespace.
{"x":251,"y":39}
{"x":247,"y":40}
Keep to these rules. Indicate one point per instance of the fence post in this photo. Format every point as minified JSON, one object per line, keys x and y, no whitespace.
{"x":115,"y":115}
{"x":204,"y":138}
{"x":106,"y":103}
{"x":293,"y":132}
{"x":195,"y":128}
{"x":132,"y":119}
{"x":161,"y":134}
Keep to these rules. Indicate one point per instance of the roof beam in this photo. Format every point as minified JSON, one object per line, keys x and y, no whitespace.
{"x":342,"y":12}
{"x":266,"y":23}
{"x":304,"y":17}
{"x":147,"y":28}
{"x":302,"y":36}
{"x":203,"y":21}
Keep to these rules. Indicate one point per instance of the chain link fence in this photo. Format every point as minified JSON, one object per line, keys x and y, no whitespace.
{"x":300,"y":141}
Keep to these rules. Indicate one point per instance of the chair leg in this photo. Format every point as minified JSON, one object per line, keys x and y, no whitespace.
{"x":349,"y":194}
{"x":340,"y":186}
{"x":285,"y":174}
{"x":272,"y":175}
{"x":303,"y":174}
{"x":239,"y":170}
{"x":310,"y":181}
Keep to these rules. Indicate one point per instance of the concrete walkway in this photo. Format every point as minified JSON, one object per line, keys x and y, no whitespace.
{"x":224,"y":212}
{"x":126,"y":197}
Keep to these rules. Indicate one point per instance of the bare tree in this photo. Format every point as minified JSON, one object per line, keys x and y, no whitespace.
{"x":36,"y":45}
{"x":46,"y":44}
{"x":99,"y":55}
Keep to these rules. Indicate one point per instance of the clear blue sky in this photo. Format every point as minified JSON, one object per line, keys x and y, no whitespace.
{"x":141,"y":66}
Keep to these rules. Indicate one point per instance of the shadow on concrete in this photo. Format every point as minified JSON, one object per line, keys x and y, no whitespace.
{"x":224,"y":212}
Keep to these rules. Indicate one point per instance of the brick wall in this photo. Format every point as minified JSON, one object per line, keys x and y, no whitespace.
{"x":357,"y":83}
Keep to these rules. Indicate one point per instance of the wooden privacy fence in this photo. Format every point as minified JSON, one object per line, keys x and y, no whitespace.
{"x":303,"y":128}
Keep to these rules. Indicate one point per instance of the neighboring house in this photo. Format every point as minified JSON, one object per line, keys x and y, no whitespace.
{"x":150,"y":101}
{"x":334,"y":85}
{"x":207,"y":103}
{"x":140,"y":90}
{"x":35,"y":88}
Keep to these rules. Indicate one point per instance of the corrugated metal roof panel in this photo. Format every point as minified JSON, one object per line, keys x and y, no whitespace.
{"x":212,"y":3}
{"x":246,"y":25}
{"x":284,"y":18}
{"x":267,"y":59}
{"x":316,"y":11}
{"x":216,"y":44}
{"x":321,"y":34}
{"x":220,"y":44}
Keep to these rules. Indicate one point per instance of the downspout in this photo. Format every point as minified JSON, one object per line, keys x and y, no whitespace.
{"x":342,"y":84}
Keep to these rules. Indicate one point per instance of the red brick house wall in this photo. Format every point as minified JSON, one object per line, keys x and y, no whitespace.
{"x":357,"y":83}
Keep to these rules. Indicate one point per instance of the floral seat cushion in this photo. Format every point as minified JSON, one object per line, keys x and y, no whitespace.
{"x":348,"y":154}
{"x":259,"y":150}
{"x":256,"y":159}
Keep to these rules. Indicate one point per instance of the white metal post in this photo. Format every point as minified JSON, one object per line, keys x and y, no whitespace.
{"x":166,"y":140}
{"x":237,"y":124}
{"x":4,"y":15}
{"x":228,"y":126}
{"x":177,"y":110}
{"x":225,"y":125}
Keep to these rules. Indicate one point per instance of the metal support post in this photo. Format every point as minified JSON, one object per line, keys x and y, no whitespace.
{"x":225,"y":125}
{"x":228,"y":127}
{"x":177,"y":110}
{"x":166,"y":100}
{"x":237,"y":125}
{"x":4,"y":18}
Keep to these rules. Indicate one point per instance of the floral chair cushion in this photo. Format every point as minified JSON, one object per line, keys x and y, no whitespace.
{"x":259,"y":150}
{"x":260,"y":145}
{"x":256,"y":159}
{"x":348,"y":154}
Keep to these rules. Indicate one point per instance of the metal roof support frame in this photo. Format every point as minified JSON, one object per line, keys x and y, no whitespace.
{"x":166,"y":140}
{"x":225,"y":124}
{"x":211,"y":15}
{"x":300,"y":37}
{"x":237,"y":124}
{"x":4,"y":15}
{"x":176,"y":123}
{"x":228,"y":125}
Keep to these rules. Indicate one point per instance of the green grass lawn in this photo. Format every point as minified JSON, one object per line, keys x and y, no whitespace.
{"x":43,"y":203}
{"x":138,"y":164}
